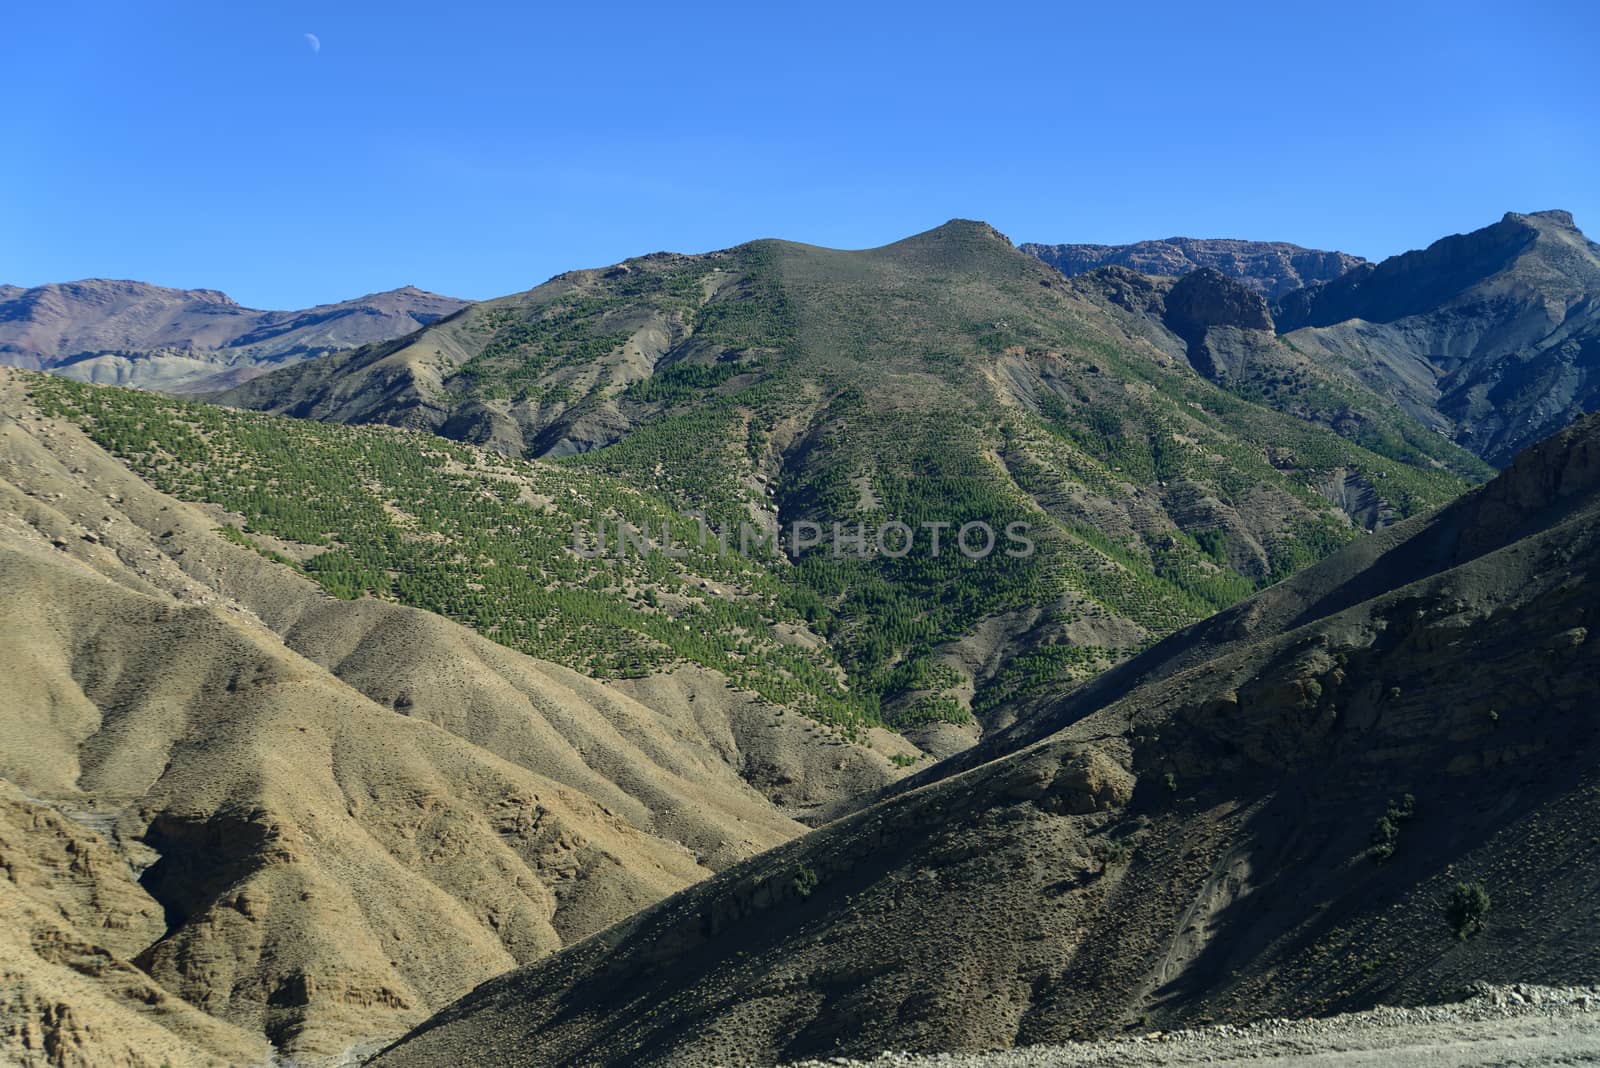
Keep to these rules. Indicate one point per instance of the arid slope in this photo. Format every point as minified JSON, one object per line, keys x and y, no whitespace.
{"x":234,"y":809}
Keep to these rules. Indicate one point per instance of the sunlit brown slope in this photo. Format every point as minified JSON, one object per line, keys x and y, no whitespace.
{"x":1187,"y":838}
{"x":316,"y":821}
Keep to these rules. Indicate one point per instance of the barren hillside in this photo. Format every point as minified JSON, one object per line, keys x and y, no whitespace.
{"x":237,"y":809}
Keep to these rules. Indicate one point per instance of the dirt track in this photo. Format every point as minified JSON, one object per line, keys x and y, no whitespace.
{"x":1515,"y":1027}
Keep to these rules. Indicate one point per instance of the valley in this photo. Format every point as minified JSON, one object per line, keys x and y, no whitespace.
{"x":334,"y":725}
{"x":1192,"y":837}
{"x":826,"y":536}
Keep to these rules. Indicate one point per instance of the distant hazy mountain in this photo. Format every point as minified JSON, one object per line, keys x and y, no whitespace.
{"x":133,"y":333}
{"x":1270,"y":268}
{"x":1493,"y":336}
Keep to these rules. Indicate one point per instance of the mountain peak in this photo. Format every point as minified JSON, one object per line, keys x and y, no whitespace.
{"x":966,"y":229}
{"x":963,"y":244}
{"x":1553,"y":217}
{"x":1454,"y":268}
{"x":1502,"y":320}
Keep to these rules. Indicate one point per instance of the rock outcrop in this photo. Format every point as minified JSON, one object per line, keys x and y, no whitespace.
{"x":1268,"y":268}
{"x":1492,"y":337}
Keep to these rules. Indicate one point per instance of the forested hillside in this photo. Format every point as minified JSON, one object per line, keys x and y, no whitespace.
{"x":945,"y":379}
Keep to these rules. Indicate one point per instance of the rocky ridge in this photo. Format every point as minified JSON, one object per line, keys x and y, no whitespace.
{"x":1268,"y":268}
{"x":133,"y":333}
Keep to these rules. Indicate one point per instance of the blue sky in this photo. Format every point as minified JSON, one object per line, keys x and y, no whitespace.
{"x":477,"y":148}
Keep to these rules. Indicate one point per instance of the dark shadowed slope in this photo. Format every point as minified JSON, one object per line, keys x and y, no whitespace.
{"x":1264,"y":815}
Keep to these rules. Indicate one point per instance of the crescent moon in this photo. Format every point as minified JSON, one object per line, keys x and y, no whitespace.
{"x":314,"y":41}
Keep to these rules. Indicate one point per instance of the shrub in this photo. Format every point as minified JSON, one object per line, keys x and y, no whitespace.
{"x":805,"y":880}
{"x":1384,"y":837}
{"x":1386,"y":832}
{"x":1214,"y":543}
{"x":1466,"y":909}
{"x":1109,"y":852}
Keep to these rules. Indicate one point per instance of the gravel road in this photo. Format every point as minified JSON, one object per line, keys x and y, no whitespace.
{"x":1519,"y":1026}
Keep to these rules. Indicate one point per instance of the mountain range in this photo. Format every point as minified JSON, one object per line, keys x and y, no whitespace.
{"x":133,"y":333}
{"x":331,"y":719}
{"x":945,"y":378}
{"x":1488,"y":337}
{"x":1492,"y":336}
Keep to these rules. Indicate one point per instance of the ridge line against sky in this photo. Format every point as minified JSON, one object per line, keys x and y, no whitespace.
{"x":291,"y":155}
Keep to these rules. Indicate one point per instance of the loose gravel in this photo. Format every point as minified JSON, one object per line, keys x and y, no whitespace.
{"x":1517,"y":1026}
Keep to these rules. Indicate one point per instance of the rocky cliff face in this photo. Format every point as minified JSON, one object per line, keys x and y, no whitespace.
{"x":1270,"y":268}
{"x":1207,"y":298}
{"x":1216,"y":317}
{"x":1493,"y":336}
